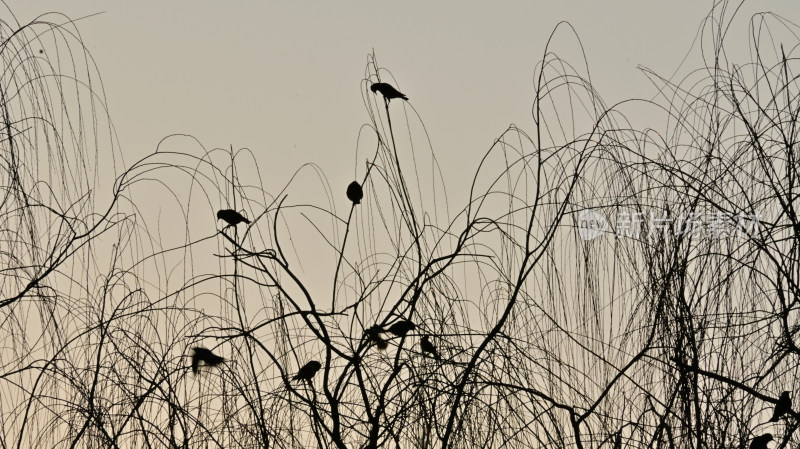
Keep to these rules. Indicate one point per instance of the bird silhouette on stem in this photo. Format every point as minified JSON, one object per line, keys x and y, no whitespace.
{"x":760,"y":442}
{"x":308,"y":371}
{"x":231,"y":217}
{"x":427,"y":346}
{"x":402,"y":327}
{"x":354,"y":192}
{"x":200,"y":354}
{"x":387,"y":91}
{"x":783,"y":406}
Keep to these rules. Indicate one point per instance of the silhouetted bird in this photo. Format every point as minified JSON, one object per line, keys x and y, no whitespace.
{"x":427,"y":346}
{"x":355,"y":192}
{"x":308,"y":370}
{"x":402,"y":327}
{"x":231,"y":217}
{"x":760,"y":442}
{"x":204,"y":355}
{"x":387,"y":91}
{"x":618,"y":440}
{"x":374,"y":336}
{"x":784,"y":405}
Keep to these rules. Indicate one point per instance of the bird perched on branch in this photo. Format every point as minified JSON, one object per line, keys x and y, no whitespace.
{"x":374,"y":336}
{"x":231,"y":217}
{"x":387,"y":91}
{"x":784,"y":405}
{"x":200,"y":354}
{"x":760,"y":442}
{"x":355,"y":192}
{"x":308,"y":370}
{"x":427,"y":346}
{"x":402,"y":327}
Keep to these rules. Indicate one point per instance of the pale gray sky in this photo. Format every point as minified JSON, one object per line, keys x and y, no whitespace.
{"x":283,"y":78}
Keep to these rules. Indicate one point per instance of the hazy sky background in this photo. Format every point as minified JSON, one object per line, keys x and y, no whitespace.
{"x":284,"y":78}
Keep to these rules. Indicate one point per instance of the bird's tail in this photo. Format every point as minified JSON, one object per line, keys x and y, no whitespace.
{"x":374,"y":336}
